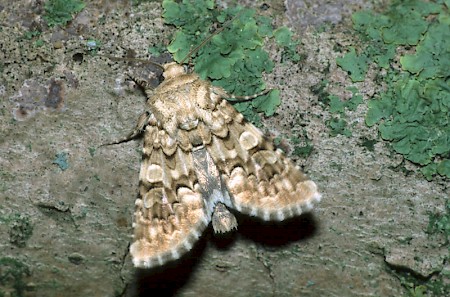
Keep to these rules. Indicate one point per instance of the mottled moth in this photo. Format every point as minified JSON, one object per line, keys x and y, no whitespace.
{"x":201,"y":158}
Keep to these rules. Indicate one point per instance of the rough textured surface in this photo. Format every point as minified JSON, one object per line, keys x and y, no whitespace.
{"x":65,"y":214}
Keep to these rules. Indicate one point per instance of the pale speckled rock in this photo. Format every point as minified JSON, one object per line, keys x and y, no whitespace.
{"x":366,"y":202}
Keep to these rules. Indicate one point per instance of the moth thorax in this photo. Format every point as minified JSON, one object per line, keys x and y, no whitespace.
{"x":172,"y":70}
{"x":189,"y":123}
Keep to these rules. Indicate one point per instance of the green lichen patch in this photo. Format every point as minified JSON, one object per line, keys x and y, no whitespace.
{"x":338,"y":126}
{"x":92,"y":150}
{"x":284,"y":38}
{"x":29,"y":35}
{"x":407,"y":21}
{"x":338,"y":107}
{"x":93,"y":45}
{"x":60,"y":12}
{"x":437,"y":286}
{"x":156,"y":50}
{"x":234,"y":58}
{"x":302,"y":146}
{"x":62,"y":161}
{"x":440,"y":223}
{"x":414,"y":111}
{"x":12,"y":274}
{"x":431,"y":60}
{"x":320,"y":90}
{"x":369,"y":144}
{"x":416,"y":124}
{"x":355,"y":64}
{"x":20,"y":229}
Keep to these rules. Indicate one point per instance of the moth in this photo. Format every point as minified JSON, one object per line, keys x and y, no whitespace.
{"x":200,"y":159}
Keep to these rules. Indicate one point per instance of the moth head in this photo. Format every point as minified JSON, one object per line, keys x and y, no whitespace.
{"x":172,"y":70}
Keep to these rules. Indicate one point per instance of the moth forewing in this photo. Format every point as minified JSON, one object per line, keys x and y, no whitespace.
{"x":200,"y":156}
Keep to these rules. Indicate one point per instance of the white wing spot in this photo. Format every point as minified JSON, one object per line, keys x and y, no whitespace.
{"x":280,"y":215}
{"x":187,"y":245}
{"x":266,"y":215}
{"x":195,"y":233}
{"x":309,"y":205}
{"x":154,"y":173}
{"x":317,"y":197}
{"x":175,"y":254}
{"x":160,"y":260}
{"x":248,"y":140}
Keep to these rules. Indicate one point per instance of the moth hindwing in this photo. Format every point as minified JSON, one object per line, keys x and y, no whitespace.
{"x":201,"y":157}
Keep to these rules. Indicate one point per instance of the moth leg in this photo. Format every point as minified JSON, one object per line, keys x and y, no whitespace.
{"x":223,"y":220}
{"x":144,"y":84}
{"x":140,"y":127}
{"x":222,"y":93}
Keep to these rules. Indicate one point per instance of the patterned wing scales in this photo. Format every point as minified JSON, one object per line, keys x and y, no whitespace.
{"x":197,"y":151}
{"x":262,"y":181}
{"x":170,"y":213}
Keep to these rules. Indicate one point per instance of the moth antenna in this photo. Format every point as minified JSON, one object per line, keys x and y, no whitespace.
{"x":133,"y":60}
{"x":195,"y":49}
